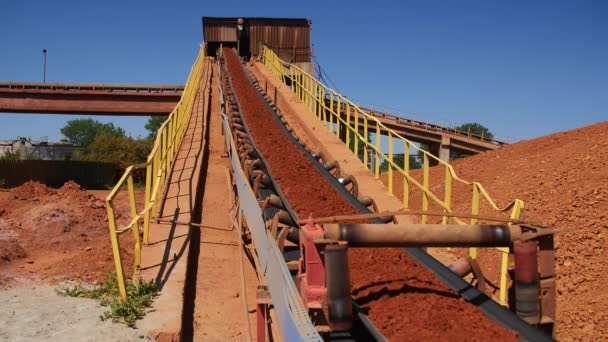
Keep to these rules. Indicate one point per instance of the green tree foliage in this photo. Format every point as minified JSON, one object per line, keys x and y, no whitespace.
{"x":9,"y":156}
{"x":82,"y":132}
{"x":154,"y":123}
{"x":120,"y":150}
{"x":360,"y":144}
{"x":399,"y":160}
{"x":475,"y":129}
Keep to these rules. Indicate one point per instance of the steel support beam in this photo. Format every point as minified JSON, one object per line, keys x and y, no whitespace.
{"x":95,"y":99}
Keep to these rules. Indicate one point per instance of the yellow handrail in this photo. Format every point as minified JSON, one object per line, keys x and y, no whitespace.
{"x":344,"y":117}
{"x":158,"y":165}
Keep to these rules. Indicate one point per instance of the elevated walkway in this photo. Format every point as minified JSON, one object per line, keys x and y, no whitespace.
{"x":165,"y":259}
{"x":205,"y":294}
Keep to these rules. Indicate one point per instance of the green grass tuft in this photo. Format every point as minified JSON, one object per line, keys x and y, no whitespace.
{"x":139,"y":297}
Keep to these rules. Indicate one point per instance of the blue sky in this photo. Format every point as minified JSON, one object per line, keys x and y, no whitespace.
{"x":522,"y":68}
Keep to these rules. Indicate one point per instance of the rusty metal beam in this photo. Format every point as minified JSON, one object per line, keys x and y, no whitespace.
{"x":94,"y":99}
{"x":423,"y":235}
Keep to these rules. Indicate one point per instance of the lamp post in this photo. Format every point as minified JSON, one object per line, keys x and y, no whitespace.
{"x":44,"y":70}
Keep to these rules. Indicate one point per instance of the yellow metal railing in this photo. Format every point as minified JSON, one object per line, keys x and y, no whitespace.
{"x":158,"y":165}
{"x":344,"y":118}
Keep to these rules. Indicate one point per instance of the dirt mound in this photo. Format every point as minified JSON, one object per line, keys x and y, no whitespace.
{"x":10,"y":250}
{"x":563,"y":180}
{"x":58,"y":234}
{"x":31,"y":190}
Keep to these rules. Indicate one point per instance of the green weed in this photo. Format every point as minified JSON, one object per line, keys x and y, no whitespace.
{"x":139,"y":297}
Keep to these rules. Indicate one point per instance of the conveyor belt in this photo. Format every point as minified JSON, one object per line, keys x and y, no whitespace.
{"x":489,"y":307}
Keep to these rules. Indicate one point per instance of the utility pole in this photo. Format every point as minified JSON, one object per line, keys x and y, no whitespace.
{"x":44,"y":70}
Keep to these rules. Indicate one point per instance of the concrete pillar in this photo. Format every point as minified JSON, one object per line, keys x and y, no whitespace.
{"x":444,"y":149}
{"x":434,"y":149}
{"x":440,"y":150}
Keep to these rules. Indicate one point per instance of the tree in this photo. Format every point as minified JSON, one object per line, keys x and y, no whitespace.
{"x":360,"y":144}
{"x":120,"y":150}
{"x":154,"y":124}
{"x":475,"y":128}
{"x":82,"y":132}
{"x":399,"y":160}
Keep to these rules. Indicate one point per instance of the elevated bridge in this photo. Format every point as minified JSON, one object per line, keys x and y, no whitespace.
{"x":145,"y":100}
{"x":94,"y":99}
{"x":440,"y":139}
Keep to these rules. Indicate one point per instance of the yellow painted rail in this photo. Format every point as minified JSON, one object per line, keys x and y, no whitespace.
{"x":343,"y":117}
{"x":158,"y":165}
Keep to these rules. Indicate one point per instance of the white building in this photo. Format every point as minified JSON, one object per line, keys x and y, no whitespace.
{"x":46,"y":150}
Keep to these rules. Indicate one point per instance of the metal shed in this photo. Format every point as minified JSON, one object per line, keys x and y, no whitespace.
{"x":288,"y":37}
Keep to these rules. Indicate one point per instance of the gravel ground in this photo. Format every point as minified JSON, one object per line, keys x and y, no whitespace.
{"x":36,"y":313}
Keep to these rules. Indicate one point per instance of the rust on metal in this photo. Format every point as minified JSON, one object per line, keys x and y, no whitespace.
{"x":527,"y":291}
{"x":423,"y":235}
{"x":96,"y":99}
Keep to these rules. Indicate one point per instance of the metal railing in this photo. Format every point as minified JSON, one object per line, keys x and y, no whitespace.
{"x":158,"y":165}
{"x":355,"y":130}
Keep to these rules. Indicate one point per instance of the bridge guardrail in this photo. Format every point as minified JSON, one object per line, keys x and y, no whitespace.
{"x":158,"y":164}
{"x":313,"y":95}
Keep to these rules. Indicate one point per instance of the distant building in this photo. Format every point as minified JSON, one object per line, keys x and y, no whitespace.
{"x":42,"y":149}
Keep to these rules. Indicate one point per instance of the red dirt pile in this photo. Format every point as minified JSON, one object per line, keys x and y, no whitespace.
{"x":57,"y":234}
{"x":404,"y":299}
{"x":563,"y":179}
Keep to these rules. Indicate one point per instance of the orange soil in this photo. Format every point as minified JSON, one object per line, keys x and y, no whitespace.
{"x":563,"y":179}
{"x":59,"y":234}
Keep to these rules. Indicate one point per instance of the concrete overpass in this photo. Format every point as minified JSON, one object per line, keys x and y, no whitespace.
{"x":441,"y":140}
{"x":145,"y":100}
{"x":95,"y":99}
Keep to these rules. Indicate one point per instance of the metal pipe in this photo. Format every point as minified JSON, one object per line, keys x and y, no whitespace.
{"x":423,"y":235}
{"x":333,"y":165}
{"x":284,"y":218}
{"x":276,"y":201}
{"x":527,"y":291}
{"x":339,"y":300}
{"x":44,"y":68}
{"x":462,"y":267}
{"x":349,"y":179}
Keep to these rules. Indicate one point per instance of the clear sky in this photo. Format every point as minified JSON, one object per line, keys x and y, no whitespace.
{"x":522,"y":68}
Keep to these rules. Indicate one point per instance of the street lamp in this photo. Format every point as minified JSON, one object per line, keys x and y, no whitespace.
{"x":44,"y":70}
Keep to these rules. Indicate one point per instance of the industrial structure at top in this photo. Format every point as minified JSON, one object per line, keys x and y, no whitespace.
{"x":289,"y":38}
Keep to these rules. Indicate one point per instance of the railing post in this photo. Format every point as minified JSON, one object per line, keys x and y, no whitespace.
{"x":321,"y":101}
{"x":356,"y":135}
{"x":134,"y":214}
{"x":120,"y":277}
{"x":156,"y":169}
{"x":147,"y":195}
{"x":425,"y":185}
{"x":377,"y":154}
{"x":406,"y":169}
{"x":331,"y":110}
{"x":166,"y":154}
{"x":365,"y":141}
{"x":447,"y":199}
{"x":474,"y":211}
{"x":390,"y":162}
